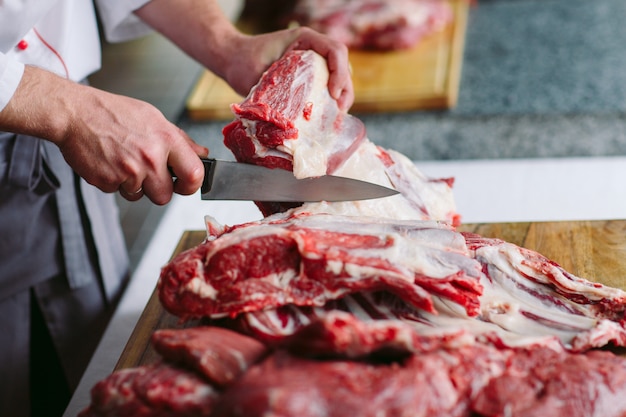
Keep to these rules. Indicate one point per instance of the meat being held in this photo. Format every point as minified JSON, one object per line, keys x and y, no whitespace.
{"x":299,"y":127}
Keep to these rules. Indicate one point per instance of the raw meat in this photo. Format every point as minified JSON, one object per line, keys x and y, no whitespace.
{"x":290,"y":121}
{"x":220,"y":355}
{"x":476,"y":380}
{"x":372,"y":315}
{"x":542,"y":382}
{"x":526,"y":300}
{"x":374,"y":24}
{"x":158,"y":390}
{"x":308,"y":259}
{"x":299,"y":127}
{"x":288,"y":270}
{"x":436,"y":384}
{"x":442,"y":377}
{"x":527,"y":293}
{"x":339,"y":334}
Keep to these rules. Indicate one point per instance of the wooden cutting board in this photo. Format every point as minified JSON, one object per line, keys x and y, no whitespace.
{"x":595,"y":250}
{"x":426,"y":76}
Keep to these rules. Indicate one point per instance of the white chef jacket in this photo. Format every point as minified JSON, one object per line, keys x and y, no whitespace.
{"x":60,"y":36}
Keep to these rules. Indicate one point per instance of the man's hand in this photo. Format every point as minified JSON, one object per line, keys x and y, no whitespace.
{"x":115,"y":143}
{"x":256,"y":53}
{"x":128,"y":145}
{"x":201,"y":30}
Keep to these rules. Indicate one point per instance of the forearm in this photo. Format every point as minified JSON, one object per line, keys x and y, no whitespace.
{"x":113,"y":142}
{"x":198,"y":27}
{"x":41,"y":106}
{"x":201,"y":29}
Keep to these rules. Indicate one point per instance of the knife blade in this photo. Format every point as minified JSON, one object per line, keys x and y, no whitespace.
{"x":227,"y":180}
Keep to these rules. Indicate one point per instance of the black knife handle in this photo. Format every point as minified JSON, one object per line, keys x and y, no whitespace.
{"x":209,"y":170}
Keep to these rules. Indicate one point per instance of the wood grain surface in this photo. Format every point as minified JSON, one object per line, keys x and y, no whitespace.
{"x":595,"y":250}
{"x":426,"y":76}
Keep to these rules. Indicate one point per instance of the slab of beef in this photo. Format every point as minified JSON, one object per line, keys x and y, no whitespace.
{"x":307,"y":259}
{"x":435,"y":384}
{"x":374,"y":24}
{"x":441,"y":377}
{"x":543,"y":382}
{"x":473,"y":380}
{"x":220,"y":355}
{"x":158,"y":390}
{"x":526,"y":300}
{"x":290,"y":121}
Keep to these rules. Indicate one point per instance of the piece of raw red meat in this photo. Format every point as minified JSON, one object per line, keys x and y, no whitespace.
{"x":446,"y":377}
{"x":543,"y":382}
{"x":374,"y":24}
{"x":435,"y":384}
{"x":308,"y":259}
{"x":157,"y":390}
{"x":471,"y":380}
{"x":218,"y":354}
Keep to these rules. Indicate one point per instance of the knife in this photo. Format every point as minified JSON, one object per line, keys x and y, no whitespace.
{"x":227,"y":180}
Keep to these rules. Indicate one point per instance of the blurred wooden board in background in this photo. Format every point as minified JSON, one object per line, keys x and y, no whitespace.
{"x":426,"y":76}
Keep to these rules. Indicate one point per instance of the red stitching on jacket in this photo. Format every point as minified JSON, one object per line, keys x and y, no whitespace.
{"x":54,"y":51}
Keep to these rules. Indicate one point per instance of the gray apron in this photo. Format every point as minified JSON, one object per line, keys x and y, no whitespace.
{"x":53,"y":225}
{"x":41,"y":199}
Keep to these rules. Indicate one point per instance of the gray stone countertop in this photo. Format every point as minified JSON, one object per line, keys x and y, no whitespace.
{"x":540,"y":78}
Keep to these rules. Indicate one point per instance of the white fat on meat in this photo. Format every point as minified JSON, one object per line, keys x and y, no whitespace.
{"x":327,"y":132}
{"x":310,"y":157}
{"x":430,"y":248}
{"x":420,"y":197}
{"x":199,"y":286}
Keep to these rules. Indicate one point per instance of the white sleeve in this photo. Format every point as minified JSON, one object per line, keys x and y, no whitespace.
{"x":120,"y":24}
{"x":11,"y":72}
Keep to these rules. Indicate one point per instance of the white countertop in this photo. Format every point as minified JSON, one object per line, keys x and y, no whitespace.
{"x":485,"y":191}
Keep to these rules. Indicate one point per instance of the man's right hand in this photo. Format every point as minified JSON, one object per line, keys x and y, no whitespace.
{"x":115,"y":143}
